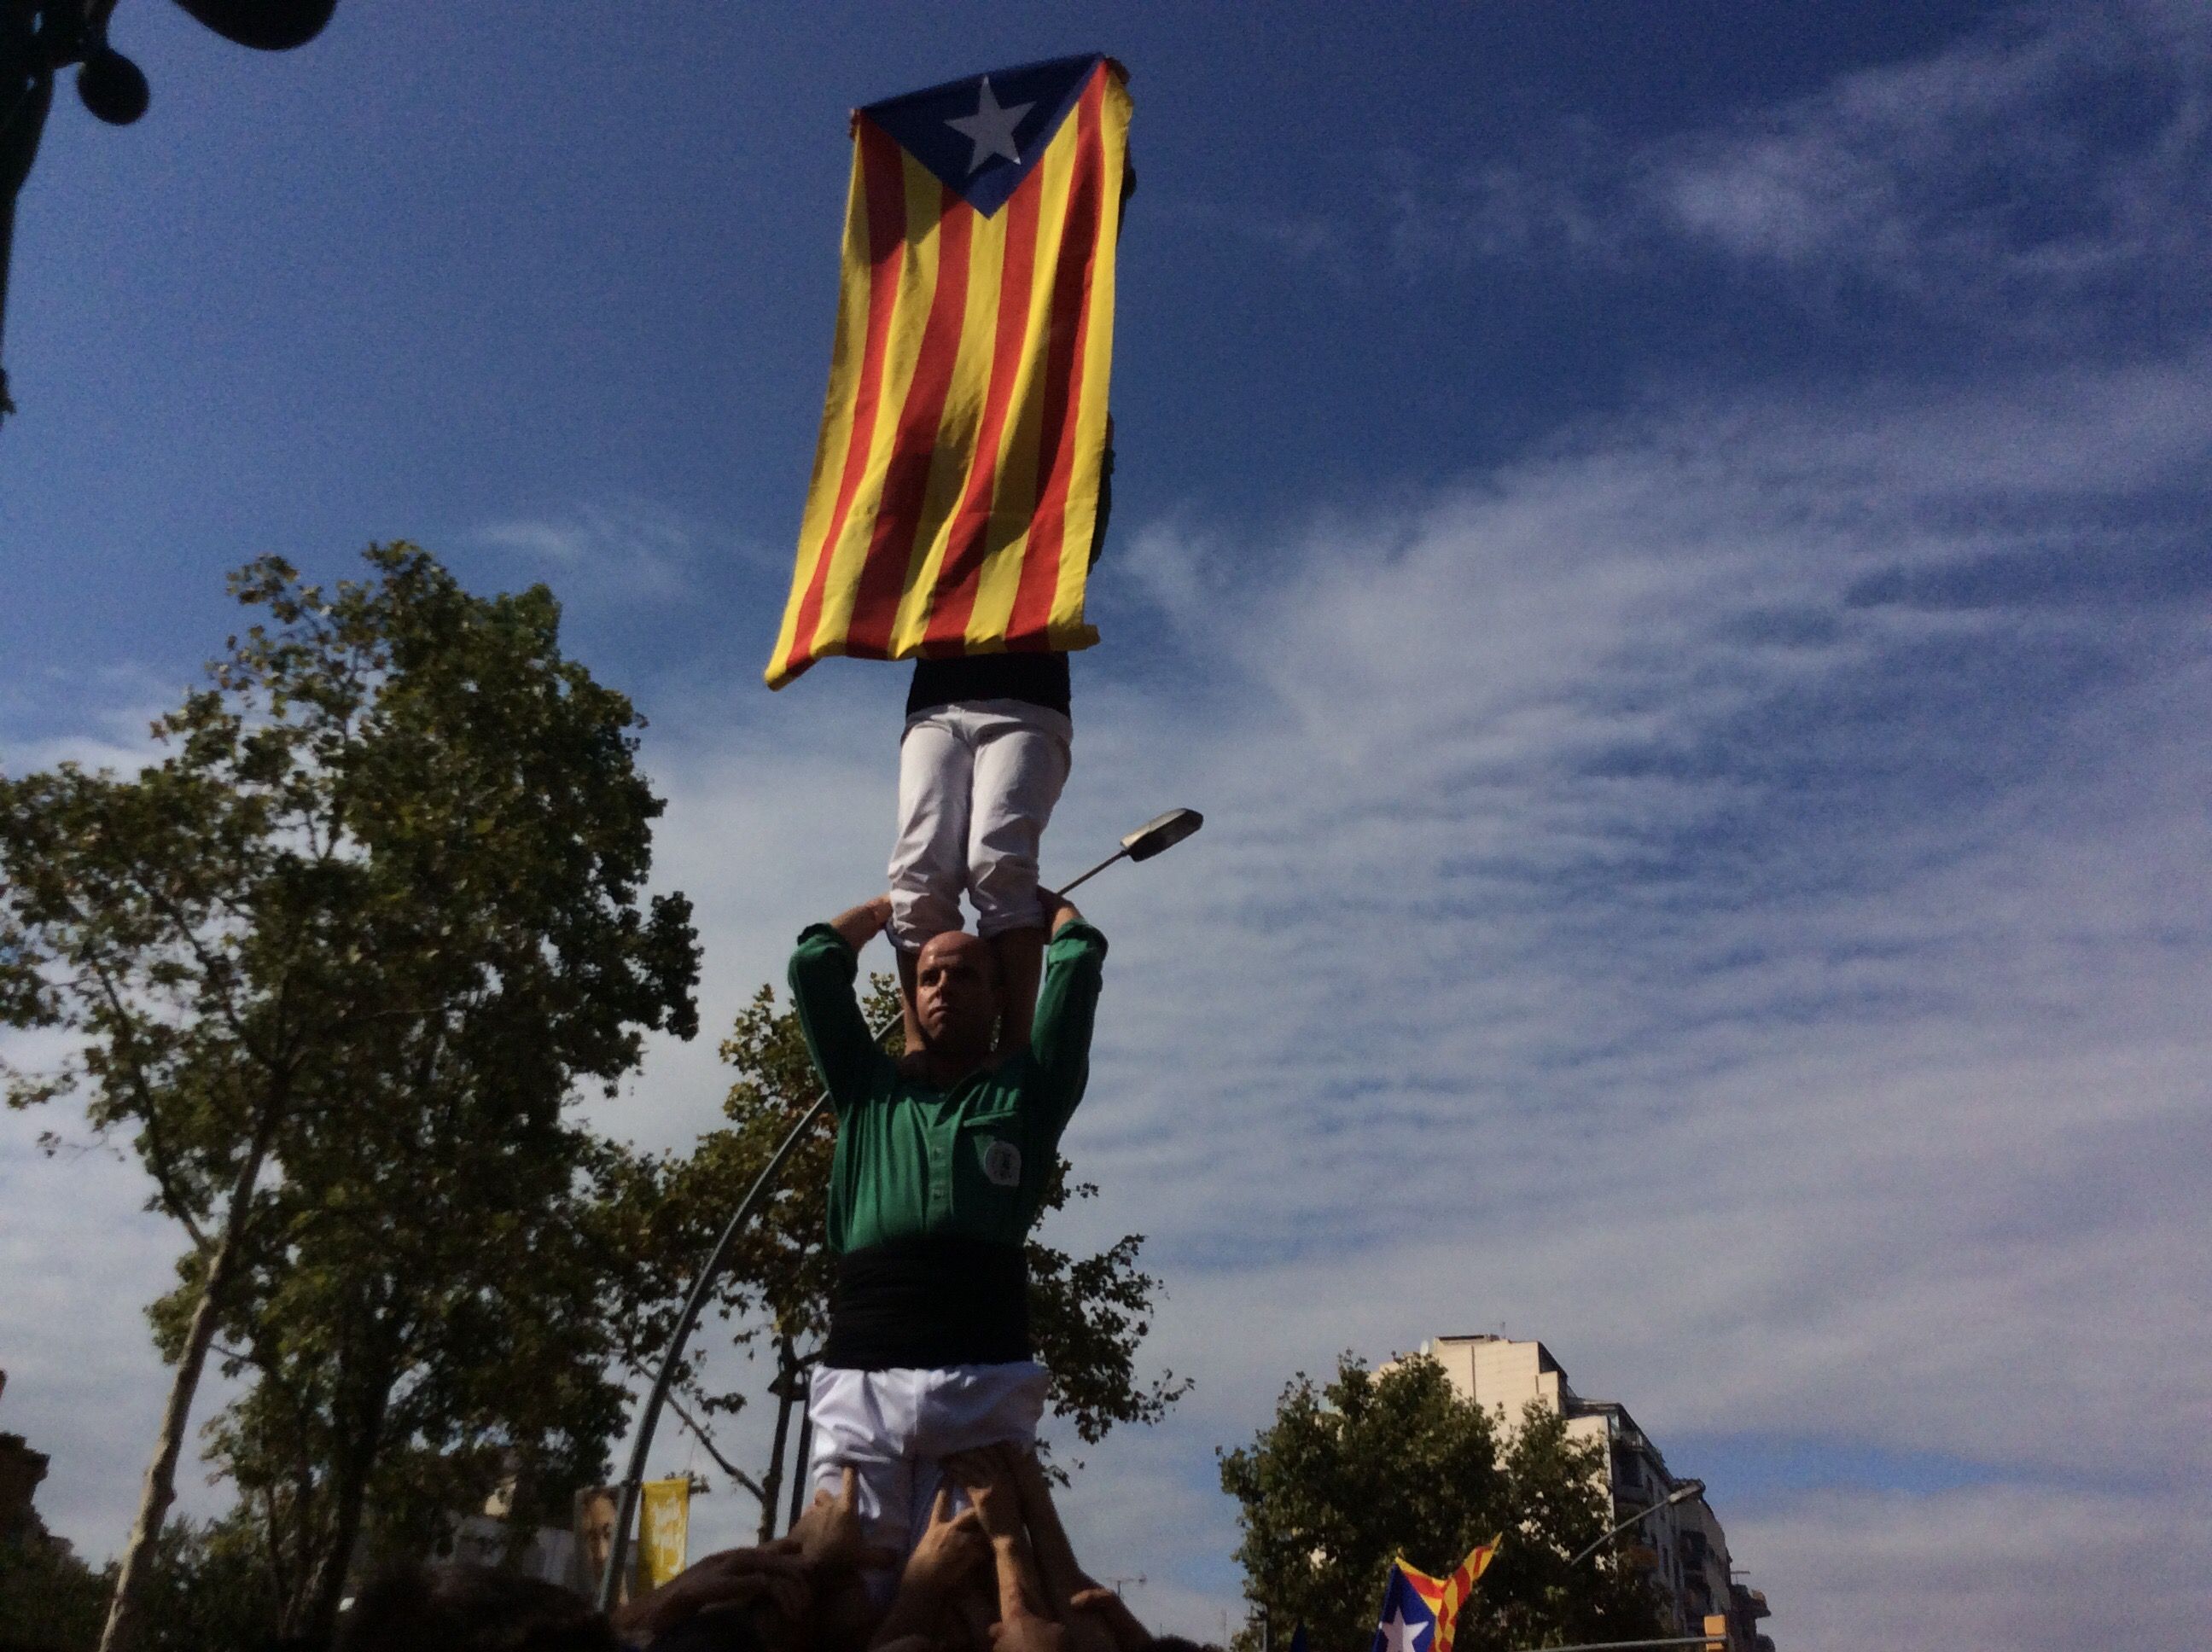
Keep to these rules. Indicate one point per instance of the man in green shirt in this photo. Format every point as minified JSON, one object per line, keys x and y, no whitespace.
{"x":940,"y":1167}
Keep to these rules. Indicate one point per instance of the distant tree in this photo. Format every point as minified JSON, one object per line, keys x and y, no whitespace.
{"x":334,"y":964}
{"x":210,"y":1587}
{"x":1089,"y":1313}
{"x":1377,"y":1464}
{"x":48,"y":1597}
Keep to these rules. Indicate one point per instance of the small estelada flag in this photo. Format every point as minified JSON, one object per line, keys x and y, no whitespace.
{"x":956,"y":484}
{"x":1420,"y":1612}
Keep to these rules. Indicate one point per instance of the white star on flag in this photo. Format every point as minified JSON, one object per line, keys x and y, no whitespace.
{"x":990,"y":129}
{"x":1401,"y":1636}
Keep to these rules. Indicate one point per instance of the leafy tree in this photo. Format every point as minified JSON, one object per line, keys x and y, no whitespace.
{"x":210,"y":1588}
{"x":1378,"y":1464}
{"x":48,"y":1597}
{"x":207,"y":1590}
{"x":334,"y":963}
{"x":1088,"y":1313}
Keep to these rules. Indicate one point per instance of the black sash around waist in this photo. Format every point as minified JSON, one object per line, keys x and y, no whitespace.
{"x":929,"y":1302}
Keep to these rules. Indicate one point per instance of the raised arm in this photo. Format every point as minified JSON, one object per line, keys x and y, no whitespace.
{"x":1060,"y":1038}
{"x":824,"y":967}
{"x":1062,"y":910}
{"x":860,"y":925}
{"x":1062,"y":1578}
{"x":950,"y":1548}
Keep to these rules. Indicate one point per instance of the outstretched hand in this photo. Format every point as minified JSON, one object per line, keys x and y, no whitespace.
{"x":951,"y":1547}
{"x":829,"y":1532}
{"x":1059,"y":911}
{"x":998,"y":1505}
{"x":861,"y":924}
{"x":1055,"y":1557}
{"x":988,"y":1476}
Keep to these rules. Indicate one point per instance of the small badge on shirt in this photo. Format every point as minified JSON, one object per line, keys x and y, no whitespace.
{"x":1002,"y":1164}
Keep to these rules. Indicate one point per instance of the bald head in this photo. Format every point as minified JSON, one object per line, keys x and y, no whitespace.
{"x":956,"y":996}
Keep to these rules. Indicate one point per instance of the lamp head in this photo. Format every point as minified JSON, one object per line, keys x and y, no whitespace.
{"x":1155,"y":836}
{"x":265,"y":25}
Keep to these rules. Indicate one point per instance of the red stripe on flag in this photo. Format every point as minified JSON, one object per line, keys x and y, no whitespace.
{"x":883,"y":175}
{"x":961,"y":574}
{"x":1063,"y":380}
{"x":882,"y":575}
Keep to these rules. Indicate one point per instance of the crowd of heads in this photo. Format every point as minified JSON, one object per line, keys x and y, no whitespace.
{"x":993,"y":1572}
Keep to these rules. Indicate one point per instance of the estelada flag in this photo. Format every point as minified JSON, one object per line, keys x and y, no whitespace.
{"x":1420,"y":1612}
{"x":956,"y":485}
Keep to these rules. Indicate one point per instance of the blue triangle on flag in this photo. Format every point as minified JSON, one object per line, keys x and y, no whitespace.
{"x":1298,"y":1639}
{"x":1406,"y":1624}
{"x":981,"y":135}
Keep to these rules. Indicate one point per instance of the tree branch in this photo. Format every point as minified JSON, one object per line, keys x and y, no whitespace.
{"x":157,"y":1152}
{"x":720,"y":1461}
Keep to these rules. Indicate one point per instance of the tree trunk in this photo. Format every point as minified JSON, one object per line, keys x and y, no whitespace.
{"x":772,"y":1484}
{"x":126,"y":1609}
{"x":800,"y":1459}
{"x":349,"y":1492}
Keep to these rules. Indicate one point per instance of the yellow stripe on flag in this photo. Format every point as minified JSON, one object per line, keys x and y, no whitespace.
{"x":836,"y":438}
{"x":1068,"y":629}
{"x":956,"y":427}
{"x":1013,"y":499}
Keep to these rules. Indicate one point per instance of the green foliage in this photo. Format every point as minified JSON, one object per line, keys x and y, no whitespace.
{"x":1089,"y":1313}
{"x":1379,"y":1464}
{"x":211,"y":1589}
{"x":338,"y":962}
{"x":48,"y":1598}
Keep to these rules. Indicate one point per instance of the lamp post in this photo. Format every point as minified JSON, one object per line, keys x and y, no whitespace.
{"x":1153,"y":837}
{"x":38,"y":38}
{"x":1680,"y":1494}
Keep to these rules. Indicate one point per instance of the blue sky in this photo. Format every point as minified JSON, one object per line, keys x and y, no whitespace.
{"x":1670,"y":543}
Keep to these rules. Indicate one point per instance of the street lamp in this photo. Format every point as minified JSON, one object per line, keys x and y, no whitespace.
{"x":41,"y":37}
{"x":1154,"y":837}
{"x":1682,"y":1493}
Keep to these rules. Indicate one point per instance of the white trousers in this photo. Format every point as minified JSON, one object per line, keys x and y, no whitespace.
{"x":893,"y":1428}
{"x":978,"y":783}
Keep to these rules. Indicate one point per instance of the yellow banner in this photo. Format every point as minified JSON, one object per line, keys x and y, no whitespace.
{"x":663,"y":1531}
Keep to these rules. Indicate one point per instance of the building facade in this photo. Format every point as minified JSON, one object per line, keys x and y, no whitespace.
{"x":1680,"y":1545}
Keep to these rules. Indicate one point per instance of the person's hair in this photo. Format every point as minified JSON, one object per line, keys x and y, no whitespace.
{"x":417,"y":1608}
{"x":723,"y":1628}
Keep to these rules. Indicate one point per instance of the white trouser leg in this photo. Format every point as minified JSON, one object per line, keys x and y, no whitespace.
{"x":891,"y":1428}
{"x":865,"y":1421}
{"x":1021,"y":764}
{"x":929,"y":860}
{"x":964,"y":1409}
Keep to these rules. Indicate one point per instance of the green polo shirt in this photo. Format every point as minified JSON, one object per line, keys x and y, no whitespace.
{"x":972,"y":1160}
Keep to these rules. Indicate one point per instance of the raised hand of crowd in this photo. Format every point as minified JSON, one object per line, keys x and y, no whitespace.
{"x":993,"y":1572}
{"x":997,"y":1575}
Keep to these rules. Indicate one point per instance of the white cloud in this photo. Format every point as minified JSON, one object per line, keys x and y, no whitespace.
{"x":2000,"y":1566}
{"x":2021,"y":180}
{"x":605,"y":554}
{"x":100,"y":718}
